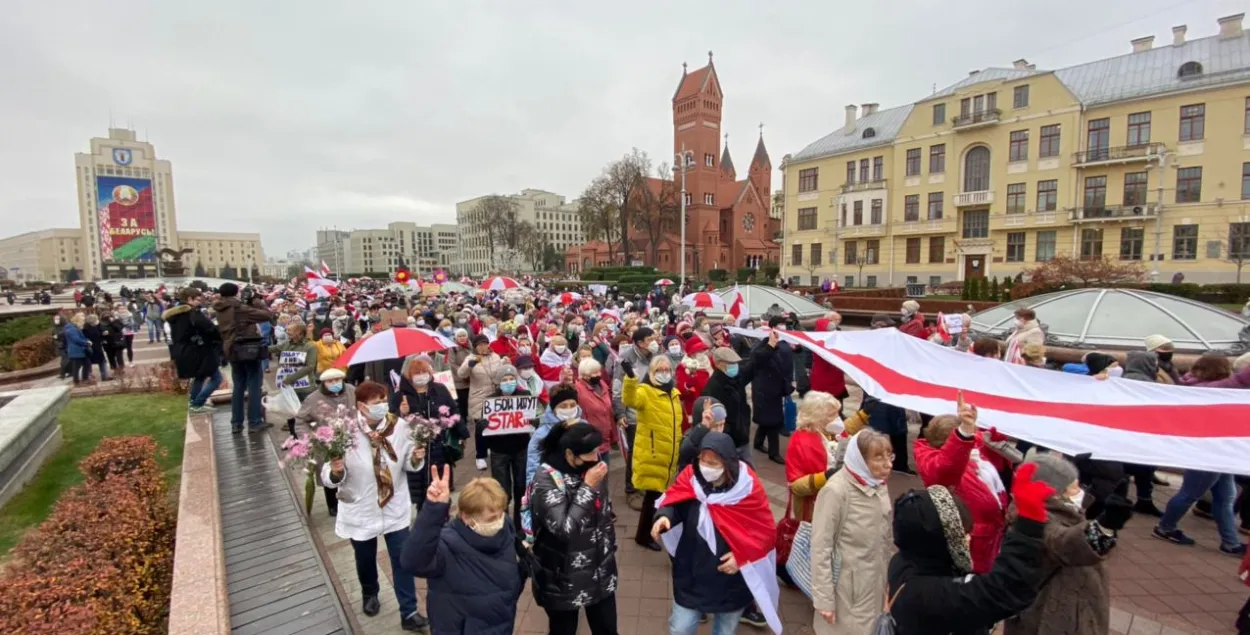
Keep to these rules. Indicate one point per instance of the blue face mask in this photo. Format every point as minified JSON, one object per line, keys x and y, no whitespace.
{"x":336,"y":387}
{"x":448,"y":332}
{"x":732,"y":371}
{"x":507,"y":387}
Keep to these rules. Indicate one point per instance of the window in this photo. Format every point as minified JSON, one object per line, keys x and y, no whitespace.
{"x":935,"y":282}
{"x":1189,"y":185}
{"x":1015,"y":198}
{"x":977,"y":224}
{"x":1184,"y":242}
{"x":1131,"y":239}
{"x":796,"y":254}
{"x":863,"y":170}
{"x":850,"y":172}
{"x":1020,"y":96}
{"x":869,"y":133}
{"x":935,"y":205}
{"x":965,"y":107}
{"x":690,"y":198}
{"x":1047,"y":195}
{"x":1139,"y":128}
{"x":1015,"y":247}
{"x":1245,"y":181}
{"x":875,"y":214}
{"x":939,"y":114}
{"x":850,"y":251}
{"x":1091,"y":244}
{"x":709,"y":199}
{"x":878,"y":168}
{"x":1098,"y":138}
{"x":709,"y":160}
{"x":1095,"y":194}
{"x":1045,"y":246}
{"x":872,"y":252}
{"x":848,"y":282}
{"x":807,"y":179}
{"x":937,"y":249}
{"x":816,"y":254}
{"x":913,"y":251}
{"x":1193,"y":122}
{"x":1048,"y":144}
{"x":937,"y":158}
{"x":977,"y":169}
{"x":1238,"y":241}
{"x":871,"y":282}
{"x":1189,"y":69}
{"x":1135,"y":188}
{"x":912,"y":280}
{"x":1018,"y":150}
{"x":807,"y":218}
{"x":913,"y":162}
{"x":1247,"y":117}
{"x":911,"y":204}
{"x":858,"y":206}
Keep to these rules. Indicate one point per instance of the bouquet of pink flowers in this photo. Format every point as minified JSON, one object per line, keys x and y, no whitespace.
{"x":329,"y":441}
{"x":425,"y":429}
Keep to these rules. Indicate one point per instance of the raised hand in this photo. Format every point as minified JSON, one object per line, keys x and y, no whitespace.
{"x":595,"y":475}
{"x":628,"y":367}
{"x":1030,"y":495}
{"x":418,"y":455}
{"x":967,"y":415}
{"x":439,"y":490}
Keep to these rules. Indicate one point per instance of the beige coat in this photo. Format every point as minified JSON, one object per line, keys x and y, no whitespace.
{"x":858,"y":519}
{"x":481,"y":381}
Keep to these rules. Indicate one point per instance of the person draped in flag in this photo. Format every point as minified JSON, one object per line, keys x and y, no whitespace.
{"x":717,"y":526}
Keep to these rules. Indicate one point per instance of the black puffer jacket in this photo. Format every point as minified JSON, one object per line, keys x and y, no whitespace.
{"x":194,"y":341}
{"x":574,"y":540}
{"x":427,"y":405}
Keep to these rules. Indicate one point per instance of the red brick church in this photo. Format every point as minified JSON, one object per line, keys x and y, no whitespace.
{"x":728,"y":224}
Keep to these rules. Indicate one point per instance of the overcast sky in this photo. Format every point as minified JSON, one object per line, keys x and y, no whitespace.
{"x":285,"y":116}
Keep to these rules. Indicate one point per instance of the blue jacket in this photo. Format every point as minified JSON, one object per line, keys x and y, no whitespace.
{"x":533,"y":453}
{"x":474,"y":581}
{"x":77,"y":345}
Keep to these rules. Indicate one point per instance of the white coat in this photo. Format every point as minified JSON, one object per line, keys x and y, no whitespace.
{"x":360,"y":518}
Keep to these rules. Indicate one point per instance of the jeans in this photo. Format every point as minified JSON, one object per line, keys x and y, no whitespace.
{"x":366,"y":552}
{"x":202,"y":388}
{"x":601,"y":618}
{"x":155,"y":331}
{"x":684,"y":621}
{"x":104,"y":370}
{"x":247,"y":379}
{"x":509,"y":470}
{"x":1196,"y":483}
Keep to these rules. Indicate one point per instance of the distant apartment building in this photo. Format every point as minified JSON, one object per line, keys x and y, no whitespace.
{"x":361,"y":251}
{"x":556,"y":220}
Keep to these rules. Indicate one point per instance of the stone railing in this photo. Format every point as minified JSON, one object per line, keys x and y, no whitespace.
{"x":199,"y":604}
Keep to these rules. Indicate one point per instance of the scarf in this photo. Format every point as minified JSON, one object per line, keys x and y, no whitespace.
{"x":952,"y":527}
{"x":380,"y":440}
{"x":855,"y":463}
{"x":988,"y":475}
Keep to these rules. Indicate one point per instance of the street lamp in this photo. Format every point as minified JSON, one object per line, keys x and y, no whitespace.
{"x":684,"y":161}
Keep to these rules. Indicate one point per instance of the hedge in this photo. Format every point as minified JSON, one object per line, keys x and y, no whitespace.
{"x":891,"y":305}
{"x":102,"y":563}
{"x":1219,"y":293}
{"x":23,"y":327}
{"x":31,"y":352}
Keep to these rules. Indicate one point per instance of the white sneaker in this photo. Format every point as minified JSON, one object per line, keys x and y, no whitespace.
{"x":481,"y":465}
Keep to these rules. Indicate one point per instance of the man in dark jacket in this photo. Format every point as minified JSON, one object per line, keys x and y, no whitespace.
{"x":773,"y":382}
{"x":728,"y":386}
{"x":241,"y":343}
{"x":1142,"y":366}
{"x":193,"y":344}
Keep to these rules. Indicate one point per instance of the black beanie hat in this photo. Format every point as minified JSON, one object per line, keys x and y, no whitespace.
{"x":561,"y":393}
{"x":480,"y":339}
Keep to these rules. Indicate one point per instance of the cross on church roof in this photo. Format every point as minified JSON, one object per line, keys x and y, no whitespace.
{"x":761,"y":128}
{"x":709,"y":57}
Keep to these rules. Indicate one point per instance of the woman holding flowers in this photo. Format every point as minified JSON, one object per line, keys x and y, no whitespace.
{"x":368,"y":456}
{"x":431,"y":411}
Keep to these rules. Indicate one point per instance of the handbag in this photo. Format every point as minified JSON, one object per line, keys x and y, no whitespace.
{"x":249,"y":349}
{"x":799,"y":564}
{"x":884,"y":624}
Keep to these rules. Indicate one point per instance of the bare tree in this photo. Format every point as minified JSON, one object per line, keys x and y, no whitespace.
{"x":657,"y":208}
{"x":497,"y":216}
{"x":530,"y":243}
{"x":599,"y":215}
{"x":624,"y":178}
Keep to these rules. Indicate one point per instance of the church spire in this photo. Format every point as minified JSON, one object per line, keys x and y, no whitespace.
{"x":727,"y":162}
{"x":761,"y":153}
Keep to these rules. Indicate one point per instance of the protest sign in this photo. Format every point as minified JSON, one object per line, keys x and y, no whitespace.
{"x":444,"y":377}
{"x":289,"y":363}
{"x":509,"y":415}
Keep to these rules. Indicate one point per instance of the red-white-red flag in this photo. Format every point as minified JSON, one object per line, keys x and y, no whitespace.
{"x":325,"y":269}
{"x":738,"y":306}
{"x":315,"y":279}
{"x":743,"y":517}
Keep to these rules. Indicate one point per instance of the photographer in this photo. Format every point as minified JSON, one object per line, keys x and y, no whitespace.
{"x":193,"y":345}
{"x":244,"y":349}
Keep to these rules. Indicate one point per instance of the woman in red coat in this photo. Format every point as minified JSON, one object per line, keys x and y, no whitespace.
{"x":825,"y":376}
{"x":692,"y":375}
{"x":952,"y":454}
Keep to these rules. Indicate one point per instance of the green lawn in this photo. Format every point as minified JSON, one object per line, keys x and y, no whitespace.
{"x":84,"y":421}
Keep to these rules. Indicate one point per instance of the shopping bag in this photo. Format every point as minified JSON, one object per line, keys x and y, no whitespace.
{"x":791,"y":413}
{"x":285,"y":403}
{"x":799,"y":565}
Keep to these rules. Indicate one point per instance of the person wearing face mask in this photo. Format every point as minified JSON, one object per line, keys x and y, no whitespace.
{"x":453,"y":359}
{"x":524,"y":347}
{"x":333,"y":395}
{"x":638,"y":355}
{"x":478,"y":369}
{"x":508,"y":452}
{"x":773,"y":382}
{"x":730,"y":377}
{"x":658,"y":436}
{"x":1028,"y":331}
{"x":710,"y":416}
{"x":574,"y":538}
{"x":529,"y":379}
{"x":1163,"y":349}
{"x":1075,"y":592}
{"x":573,"y":332}
{"x":328,"y":350}
{"x":851,"y":539}
{"x":913,"y":321}
{"x":564,"y":409}
{"x":505,"y":344}
{"x":556,"y":359}
{"x":594,"y":397}
{"x":815,"y":453}
{"x":471,"y":562}
{"x":194,"y":343}
{"x":297,"y":365}
{"x":373,"y":501}
{"x":716,"y":567}
{"x":693,"y":373}
{"x":423,"y":397}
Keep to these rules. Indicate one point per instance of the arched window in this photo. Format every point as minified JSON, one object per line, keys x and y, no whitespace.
{"x":1189,"y":69}
{"x":869,"y":133}
{"x":977,"y":169}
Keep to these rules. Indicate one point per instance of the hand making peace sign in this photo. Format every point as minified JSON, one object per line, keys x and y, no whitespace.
{"x":440,"y":485}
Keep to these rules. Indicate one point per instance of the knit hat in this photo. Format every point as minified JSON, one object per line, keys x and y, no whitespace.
{"x":563,"y":392}
{"x":1155,"y":341}
{"x":480,"y":339}
{"x":325,"y":332}
{"x":911,"y":306}
{"x":524,"y":361}
{"x":331,"y":374}
{"x":1054,"y":470}
{"x":504,"y":370}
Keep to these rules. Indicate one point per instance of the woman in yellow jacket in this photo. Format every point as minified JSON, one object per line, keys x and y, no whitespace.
{"x":328,"y":351}
{"x":658,"y":438}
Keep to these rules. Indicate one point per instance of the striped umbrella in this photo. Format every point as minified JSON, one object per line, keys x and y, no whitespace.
{"x":500,"y":283}
{"x":704,"y":300}
{"x":394,"y":343}
{"x":568,"y":297}
{"x":664,"y":282}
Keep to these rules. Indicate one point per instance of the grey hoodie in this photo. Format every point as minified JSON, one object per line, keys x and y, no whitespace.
{"x":1141,"y":366}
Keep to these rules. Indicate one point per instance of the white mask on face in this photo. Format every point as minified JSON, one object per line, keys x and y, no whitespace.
{"x":836,"y":426}
{"x":1077,"y":499}
{"x":654,"y":347}
{"x":564,"y":414}
{"x":488,"y":529}
{"x":527,"y":373}
{"x":711,"y":474}
{"x":675,"y":349}
{"x":377,"y":411}
{"x":421,"y":379}
{"x":560,"y":350}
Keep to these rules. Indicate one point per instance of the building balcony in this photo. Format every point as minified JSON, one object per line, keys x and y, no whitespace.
{"x":970,"y":199}
{"x":1110,"y":213}
{"x":1117,"y":155}
{"x":932,"y":226}
{"x":864,"y":186}
{"x":976,"y":119}
{"x":852,"y":231}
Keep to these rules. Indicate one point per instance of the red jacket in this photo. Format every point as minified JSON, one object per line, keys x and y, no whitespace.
{"x":597,"y":410}
{"x":915,"y":326}
{"x":951,"y":465}
{"x":505,"y":347}
{"x":691,"y":384}
{"x":825,"y":376}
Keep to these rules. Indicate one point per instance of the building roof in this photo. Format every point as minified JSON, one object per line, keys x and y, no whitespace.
{"x":726,"y":162}
{"x":695,"y":82}
{"x":885,"y":125}
{"x":761,"y":154}
{"x":985,"y":75}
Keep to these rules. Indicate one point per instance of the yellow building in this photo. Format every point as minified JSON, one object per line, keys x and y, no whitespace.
{"x":41,"y":256}
{"x":1136,"y":157}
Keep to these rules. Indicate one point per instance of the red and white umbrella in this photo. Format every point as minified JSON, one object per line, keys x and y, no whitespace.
{"x":568,"y":297}
{"x":664,"y":282}
{"x":704,"y":300}
{"x":500,"y":283}
{"x":394,"y":343}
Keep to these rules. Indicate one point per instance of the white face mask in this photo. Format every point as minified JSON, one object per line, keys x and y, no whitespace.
{"x":488,"y":529}
{"x":711,"y":474}
{"x":560,"y":350}
{"x":527,"y":373}
{"x":377,"y":411}
{"x":675,"y":349}
{"x":1077,"y":499}
{"x":565,"y":414}
{"x":836,"y":426}
{"x":663,"y":378}
{"x":654,"y":347}
{"x":421,"y":379}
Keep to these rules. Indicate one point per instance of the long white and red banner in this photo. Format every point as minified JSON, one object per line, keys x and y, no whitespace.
{"x":1116,"y":419}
